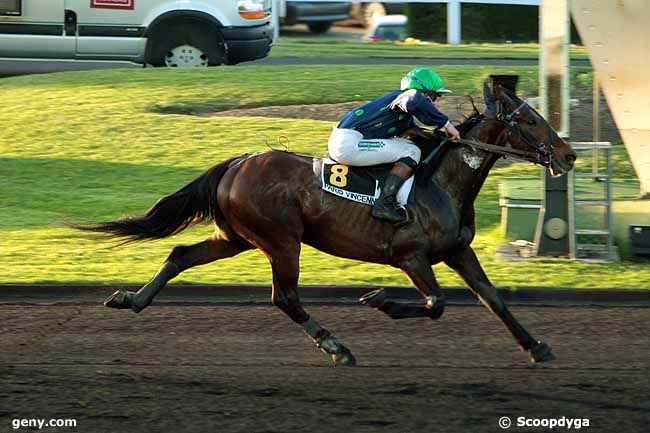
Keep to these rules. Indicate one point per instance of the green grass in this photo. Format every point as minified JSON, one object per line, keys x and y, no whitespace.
{"x":389,"y":50}
{"x":95,"y":146}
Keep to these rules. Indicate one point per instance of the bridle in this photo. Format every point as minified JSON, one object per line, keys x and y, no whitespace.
{"x":542,"y":154}
{"x":513,"y":129}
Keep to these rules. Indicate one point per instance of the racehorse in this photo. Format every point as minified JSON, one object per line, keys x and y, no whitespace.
{"x":273,"y":201}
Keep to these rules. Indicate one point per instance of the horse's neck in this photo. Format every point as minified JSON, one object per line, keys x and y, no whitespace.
{"x":464,"y":169}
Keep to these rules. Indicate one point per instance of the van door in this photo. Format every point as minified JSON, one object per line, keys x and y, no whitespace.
{"x":34,"y":28}
{"x":109,"y":29}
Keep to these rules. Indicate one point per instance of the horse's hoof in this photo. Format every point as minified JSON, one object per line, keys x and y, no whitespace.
{"x":344,"y":358}
{"x":118,"y":300}
{"x":541,"y":352}
{"x":374,"y":299}
{"x":122,"y":300}
{"x":437,"y":309}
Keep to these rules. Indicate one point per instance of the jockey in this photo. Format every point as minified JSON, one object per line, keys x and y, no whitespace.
{"x":368,"y":134}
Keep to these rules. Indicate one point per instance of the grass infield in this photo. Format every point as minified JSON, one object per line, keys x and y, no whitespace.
{"x":295,"y":47}
{"x":98,"y":145}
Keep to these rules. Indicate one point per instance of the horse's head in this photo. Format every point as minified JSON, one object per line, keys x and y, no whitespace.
{"x":528,"y":131}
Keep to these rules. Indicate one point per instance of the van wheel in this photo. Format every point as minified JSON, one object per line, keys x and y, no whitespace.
{"x":319,"y":27}
{"x":185,"y":46}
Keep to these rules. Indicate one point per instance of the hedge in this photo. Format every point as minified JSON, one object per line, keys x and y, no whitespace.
{"x":479,"y":22}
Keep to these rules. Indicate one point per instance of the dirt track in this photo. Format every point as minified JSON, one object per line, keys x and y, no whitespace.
{"x":248,"y":369}
{"x":456,"y":107}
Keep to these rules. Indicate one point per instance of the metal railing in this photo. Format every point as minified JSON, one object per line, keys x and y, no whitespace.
{"x":596,"y":251}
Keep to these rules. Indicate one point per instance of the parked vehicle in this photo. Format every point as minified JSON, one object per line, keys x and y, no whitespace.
{"x":364,"y":12}
{"x":158,"y":32}
{"x":388,"y":28}
{"x":319,"y":16}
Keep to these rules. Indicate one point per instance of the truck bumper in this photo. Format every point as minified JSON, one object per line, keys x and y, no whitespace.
{"x":247,"y":43}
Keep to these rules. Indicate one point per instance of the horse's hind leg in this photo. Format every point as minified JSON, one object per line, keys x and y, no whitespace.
{"x":180,"y":259}
{"x":285,"y":264}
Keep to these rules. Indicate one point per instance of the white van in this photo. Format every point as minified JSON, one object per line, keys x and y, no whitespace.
{"x":175,"y":33}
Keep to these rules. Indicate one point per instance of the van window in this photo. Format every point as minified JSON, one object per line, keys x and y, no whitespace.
{"x":10,"y":7}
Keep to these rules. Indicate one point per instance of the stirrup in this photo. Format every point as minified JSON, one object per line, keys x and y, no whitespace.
{"x":390,"y":218}
{"x":377,"y":213}
{"x":406,"y":220}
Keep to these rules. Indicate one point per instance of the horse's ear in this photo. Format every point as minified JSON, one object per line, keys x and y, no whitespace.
{"x":505,"y":88}
{"x":508,"y":82}
{"x":503,"y":95}
{"x":488,"y":97}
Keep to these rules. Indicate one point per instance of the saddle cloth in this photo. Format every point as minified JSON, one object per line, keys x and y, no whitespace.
{"x":359,"y":184}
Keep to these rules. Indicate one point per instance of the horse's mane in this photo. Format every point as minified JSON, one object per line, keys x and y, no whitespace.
{"x":470,"y":122}
{"x":432,"y":144}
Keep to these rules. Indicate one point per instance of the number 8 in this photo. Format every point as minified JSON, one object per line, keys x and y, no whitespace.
{"x":338,"y":175}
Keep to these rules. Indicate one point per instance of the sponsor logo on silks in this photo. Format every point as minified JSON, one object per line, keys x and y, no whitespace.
{"x":112,"y":4}
{"x":370,"y":145}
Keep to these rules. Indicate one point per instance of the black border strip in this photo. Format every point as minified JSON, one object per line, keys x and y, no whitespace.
{"x":94,"y":293}
{"x":108,"y":31}
{"x":31,"y":29}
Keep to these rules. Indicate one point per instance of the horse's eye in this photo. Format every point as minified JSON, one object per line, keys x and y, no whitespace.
{"x":532,"y":122}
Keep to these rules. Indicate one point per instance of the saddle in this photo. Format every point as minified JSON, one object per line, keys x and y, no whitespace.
{"x":359,"y":184}
{"x":363,"y":184}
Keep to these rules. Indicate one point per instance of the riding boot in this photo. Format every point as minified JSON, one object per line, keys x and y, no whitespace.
{"x":386,"y":206}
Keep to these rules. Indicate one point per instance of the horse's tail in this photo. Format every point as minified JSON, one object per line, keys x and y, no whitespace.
{"x":194,"y":203}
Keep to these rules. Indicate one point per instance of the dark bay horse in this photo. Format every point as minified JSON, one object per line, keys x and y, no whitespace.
{"x":272,"y":201}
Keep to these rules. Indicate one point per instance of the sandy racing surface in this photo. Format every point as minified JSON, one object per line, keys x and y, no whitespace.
{"x":456,"y":107}
{"x":248,"y":369}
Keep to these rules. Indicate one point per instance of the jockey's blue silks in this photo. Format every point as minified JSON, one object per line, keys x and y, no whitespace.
{"x":392,"y":114}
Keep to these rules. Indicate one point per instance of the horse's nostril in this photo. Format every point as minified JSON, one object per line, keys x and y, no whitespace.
{"x":570,"y":159}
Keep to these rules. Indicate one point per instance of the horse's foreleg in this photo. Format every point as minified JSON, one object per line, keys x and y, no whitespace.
{"x":180,"y":259}
{"x":285,"y":264}
{"x":466,"y":264}
{"x":421,"y":275}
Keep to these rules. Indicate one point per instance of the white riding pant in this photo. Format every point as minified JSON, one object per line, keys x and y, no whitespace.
{"x":349,"y":147}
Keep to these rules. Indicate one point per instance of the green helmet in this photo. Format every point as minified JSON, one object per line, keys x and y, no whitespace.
{"x":423,"y":79}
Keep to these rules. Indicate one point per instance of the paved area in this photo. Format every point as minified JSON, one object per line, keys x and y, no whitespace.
{"x":249,"y":369}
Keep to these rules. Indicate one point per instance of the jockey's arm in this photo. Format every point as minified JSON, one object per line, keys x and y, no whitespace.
{"x":425,"y":114}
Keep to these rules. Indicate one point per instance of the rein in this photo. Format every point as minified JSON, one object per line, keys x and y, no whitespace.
{"x":505,"y":151}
